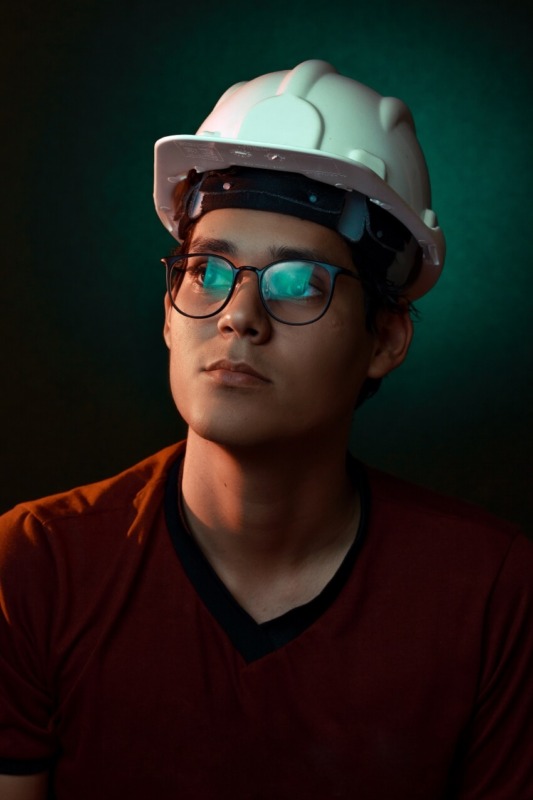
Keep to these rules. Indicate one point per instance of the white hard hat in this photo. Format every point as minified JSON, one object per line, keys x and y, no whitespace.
{"x":313,"y":121}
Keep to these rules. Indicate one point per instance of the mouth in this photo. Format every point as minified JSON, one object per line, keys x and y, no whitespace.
{"x":234,"y":373}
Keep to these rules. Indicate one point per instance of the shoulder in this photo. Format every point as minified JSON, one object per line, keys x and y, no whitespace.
{"x":441,"y":564}
{"x":122,"y":496}
{"x":58,"y":554}
{"x":408,"y":505}
{"x":422,"y":528}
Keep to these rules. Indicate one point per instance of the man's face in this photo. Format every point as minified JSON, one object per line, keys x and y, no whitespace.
{"x":306,"y":378}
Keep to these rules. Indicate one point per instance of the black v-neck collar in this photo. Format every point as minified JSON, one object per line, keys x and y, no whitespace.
{"x":254,"y":640}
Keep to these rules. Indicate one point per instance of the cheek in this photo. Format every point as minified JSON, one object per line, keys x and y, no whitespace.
{"x":184,"y":336}
{"x":347,"y":336}
{"x":182,"y":341}
{"x":337,"y":361}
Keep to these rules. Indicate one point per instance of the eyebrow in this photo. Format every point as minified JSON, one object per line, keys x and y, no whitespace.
{"x":276,"y":252}
{"x":205,"y":244}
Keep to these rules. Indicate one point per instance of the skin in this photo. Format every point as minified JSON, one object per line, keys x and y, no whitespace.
{"x":23,"y":787}
{"x":265,"y":489}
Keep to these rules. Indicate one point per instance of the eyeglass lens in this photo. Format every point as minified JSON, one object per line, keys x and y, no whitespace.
{"x":292,"y":291}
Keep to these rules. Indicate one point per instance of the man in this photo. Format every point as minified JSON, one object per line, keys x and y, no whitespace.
{"x":253,"y":613}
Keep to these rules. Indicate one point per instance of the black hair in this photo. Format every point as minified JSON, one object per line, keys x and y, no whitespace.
{"x":380,"y":293}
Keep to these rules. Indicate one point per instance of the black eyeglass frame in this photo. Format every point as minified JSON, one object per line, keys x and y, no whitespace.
{"x":333,"y":271}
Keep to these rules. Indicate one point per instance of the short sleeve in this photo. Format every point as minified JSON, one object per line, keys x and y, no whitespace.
{"x":27,"y":591}
{"x":497,"y":749}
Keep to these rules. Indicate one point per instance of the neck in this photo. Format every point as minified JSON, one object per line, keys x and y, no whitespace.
{"x":268,"y":509}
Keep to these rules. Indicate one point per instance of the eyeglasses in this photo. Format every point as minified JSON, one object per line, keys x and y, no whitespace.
{"x":296,"y":292}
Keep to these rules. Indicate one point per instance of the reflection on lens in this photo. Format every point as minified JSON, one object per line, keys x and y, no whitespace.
{"x":296,"y":291}
{"x":290,"y":282}
{"x":205,"y":284}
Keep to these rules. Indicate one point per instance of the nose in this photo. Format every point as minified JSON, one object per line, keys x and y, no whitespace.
{"x":245,"y":315}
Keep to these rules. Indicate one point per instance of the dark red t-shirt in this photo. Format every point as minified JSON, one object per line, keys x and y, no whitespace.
{"x":127,"y":667}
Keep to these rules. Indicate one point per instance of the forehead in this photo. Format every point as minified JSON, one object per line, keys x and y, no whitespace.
{"x":257,"y":236}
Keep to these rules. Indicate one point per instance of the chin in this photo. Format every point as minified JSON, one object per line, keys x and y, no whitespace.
{"x":257,"y":436}
{"x":224,"y":428}
{"x":236,"y":425}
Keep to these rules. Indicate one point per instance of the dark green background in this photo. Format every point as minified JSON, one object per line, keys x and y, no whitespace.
{"x":88,"y":87}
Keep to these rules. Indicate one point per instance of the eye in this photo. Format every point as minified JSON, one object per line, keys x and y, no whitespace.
{"x":209,"y":273}
{"x":295,"y":280}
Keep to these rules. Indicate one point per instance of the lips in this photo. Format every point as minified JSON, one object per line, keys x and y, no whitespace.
{"x":235,"y":368}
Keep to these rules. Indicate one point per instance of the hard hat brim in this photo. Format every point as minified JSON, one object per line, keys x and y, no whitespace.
{"x":176,"y":155}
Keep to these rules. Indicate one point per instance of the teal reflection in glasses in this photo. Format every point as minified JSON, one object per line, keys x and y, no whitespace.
{"x":210,"y":275}
{"x":293,"y":291}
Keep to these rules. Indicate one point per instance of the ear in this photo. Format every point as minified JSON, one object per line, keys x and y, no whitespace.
{"x":394,"y":332}
{"x":166,"y":325}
